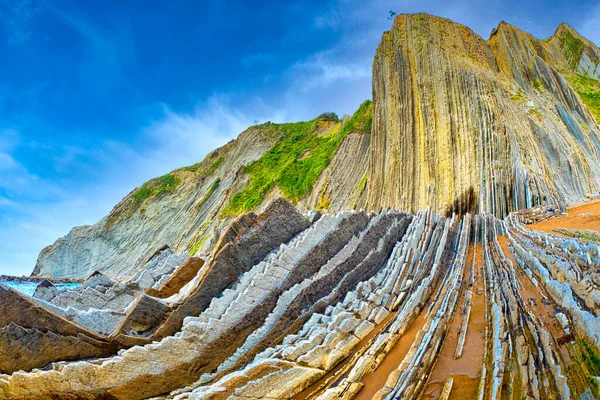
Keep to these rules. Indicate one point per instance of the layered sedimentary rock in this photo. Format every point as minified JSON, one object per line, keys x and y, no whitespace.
{"x":102,"y":315}
{"x":33,"y":336}
{"x":368,"y":306}
{"x":457,"y":123}
{"x":318,"y":299}
{"x":463,"y":124}
{"x":185,"y":210}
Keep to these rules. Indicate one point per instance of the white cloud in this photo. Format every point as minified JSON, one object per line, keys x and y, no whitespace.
{"x":321,"y":71}
{"x":47,"y":210}
{"x":179,"y":139}
{"x":335,"y":79}
{"x":332,"y":19}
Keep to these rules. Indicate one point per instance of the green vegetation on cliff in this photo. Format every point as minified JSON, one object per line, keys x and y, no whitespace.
{"x":201,"y":169}
{"x":295,"y":162}
{"x":164,"y":184}
{"x":589,"y":91}
{"x":572,"y":48}
{"x":209,"y":192}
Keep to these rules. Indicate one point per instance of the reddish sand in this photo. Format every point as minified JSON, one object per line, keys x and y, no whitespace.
{"x":573,"y":219}
{"x":465,"y":371}
{"x":536,"y":299}
{"x":376,"y":380}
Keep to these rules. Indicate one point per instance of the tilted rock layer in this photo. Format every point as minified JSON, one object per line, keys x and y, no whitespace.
{"x":457,"y":123}
{"x":353,"y":305}
{"x":464,"y":124}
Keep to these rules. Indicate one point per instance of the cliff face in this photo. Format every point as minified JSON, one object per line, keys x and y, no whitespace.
{"x":167,"y":214}
{"x":311,"y":163}
{"x":463,"y":124}
{"x":457,"y":123}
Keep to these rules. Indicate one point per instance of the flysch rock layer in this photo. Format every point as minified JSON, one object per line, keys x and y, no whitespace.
{"x":459,"y":300}
{"x":102,"y":316}
{"x":463,"y":124}
{"x":458,"y":124}
{"x":356,"y":305}
{"x":188,"y":218}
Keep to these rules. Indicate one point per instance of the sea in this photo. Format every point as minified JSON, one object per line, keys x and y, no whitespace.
{"x":28,"y":287}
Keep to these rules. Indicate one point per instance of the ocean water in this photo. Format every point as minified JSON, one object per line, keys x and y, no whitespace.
{"x":28,"y":288}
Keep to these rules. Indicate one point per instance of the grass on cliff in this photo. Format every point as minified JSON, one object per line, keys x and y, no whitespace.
{"x":164,"y":184}
{"x":572,"y":48}
{"x":589,"y":91}
{"x":169,"y":182}
{"x":201,"y":169}
{"x":209,"y":192}
{"x":199,"y":244}
{"x":295,"y":162}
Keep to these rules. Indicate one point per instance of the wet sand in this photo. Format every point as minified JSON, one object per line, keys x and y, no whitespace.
{"x":465,"y":371}
{"x":376,"y":379}
{"x":573,"y":220}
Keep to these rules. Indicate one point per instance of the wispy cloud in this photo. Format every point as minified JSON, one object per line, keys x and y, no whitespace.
{"x":16,"y":15}
{"x":178,"y":139}
{"x":81,"y":24}
{"x":331,"y":19}
{"x":38,"y":211}
{"x":320,"y":72}
{"x":90,"y":175}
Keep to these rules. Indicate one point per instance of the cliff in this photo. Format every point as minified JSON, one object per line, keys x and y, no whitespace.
{"x":464,"y":124}
{"x":457,"y":123}
{"x":311,"y":163}
{"x":233,"y":292}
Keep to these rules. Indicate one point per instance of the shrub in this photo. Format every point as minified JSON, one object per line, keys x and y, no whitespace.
{"x":329,"y":116}
{"x":589,"y":92}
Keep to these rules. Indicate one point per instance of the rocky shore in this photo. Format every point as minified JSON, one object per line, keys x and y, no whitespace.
{"x":38,"y":279}
{"x":319,"y":306}
{"x":467,"y":277}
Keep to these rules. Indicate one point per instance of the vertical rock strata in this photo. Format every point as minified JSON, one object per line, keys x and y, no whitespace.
{"x":457,"y":123}
{"x":462,"y":124}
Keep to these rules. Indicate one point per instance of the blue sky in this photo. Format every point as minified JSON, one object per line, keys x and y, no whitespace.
{"x":97,"y":97}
